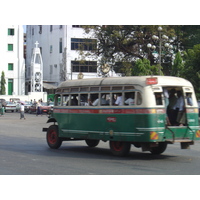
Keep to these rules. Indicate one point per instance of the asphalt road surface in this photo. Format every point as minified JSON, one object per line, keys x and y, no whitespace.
{"x":24,"y":151}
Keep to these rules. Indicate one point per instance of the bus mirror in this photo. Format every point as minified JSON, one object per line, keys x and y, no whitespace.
{"x":151,"y":81}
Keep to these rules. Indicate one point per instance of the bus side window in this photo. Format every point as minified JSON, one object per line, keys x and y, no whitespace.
{"x":129,"y":98}
{"x":105,"y":99}
{"x":65,"y":100}
{"x":74,"y":100}
{"x":158,"y":98}
{"x":57,"y":100}
{"x":94,"y":99}
{"x":189,"y":99}
{"x":139,"y":98}
{"x":84,"y":100}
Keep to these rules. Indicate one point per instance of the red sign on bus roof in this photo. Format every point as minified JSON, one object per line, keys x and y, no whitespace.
{"x":151,"y":81}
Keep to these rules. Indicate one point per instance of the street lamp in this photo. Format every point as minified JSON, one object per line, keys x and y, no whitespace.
{"x":161,"y":39}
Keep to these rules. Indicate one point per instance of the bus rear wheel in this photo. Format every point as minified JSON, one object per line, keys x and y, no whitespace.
{"x":52,"y":137}
{"x":120,"y":148}
{"x":159,"y":149}
{"x":92,"y":143}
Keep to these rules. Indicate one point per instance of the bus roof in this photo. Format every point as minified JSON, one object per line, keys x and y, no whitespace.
{"x":130,"y":80}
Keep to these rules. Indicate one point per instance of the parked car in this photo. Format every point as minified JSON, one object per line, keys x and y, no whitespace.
{"x":10,"y":106}
{"x":45,"y":108}
{"x":27,"y":106}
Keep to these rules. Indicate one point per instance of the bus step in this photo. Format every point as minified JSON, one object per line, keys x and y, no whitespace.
{"x":180,"y":140}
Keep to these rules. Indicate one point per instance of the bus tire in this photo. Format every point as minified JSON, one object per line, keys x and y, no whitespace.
{"x":159,"y":149}
{"x":92,"y":143}
{"x":52,"y":137}
{"x":120,"y":148}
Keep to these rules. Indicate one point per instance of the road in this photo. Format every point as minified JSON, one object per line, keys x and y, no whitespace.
{"x":24,"y":151}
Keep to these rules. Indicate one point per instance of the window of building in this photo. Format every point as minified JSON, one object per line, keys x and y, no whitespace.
{"x":10,"y":86}
{"x":51,"y":28}
{"x":11,"y":31}
{"x":10,"y":66}
{"x":83,"y":44}
{"x":51,"y":48}
{"x":87,"y":66}
{"x":40,"y":29}
{"x":77,"y":26}
{"x":51,"y":69}
{"x":60,"y":45}
{"x":10,"y":47}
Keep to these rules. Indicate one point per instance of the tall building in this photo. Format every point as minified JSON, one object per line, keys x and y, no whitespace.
{"x":12,"y":58}
{"x":59,"y":46}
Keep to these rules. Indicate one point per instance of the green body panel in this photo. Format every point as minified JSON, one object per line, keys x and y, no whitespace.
{"x":125,"y":127}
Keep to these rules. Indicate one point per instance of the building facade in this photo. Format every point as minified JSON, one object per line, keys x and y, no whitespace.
{"x":12,"y":58}
{"x":60,"y":47}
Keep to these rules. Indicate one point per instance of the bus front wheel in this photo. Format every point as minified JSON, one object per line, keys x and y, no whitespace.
{"x":92,"y":143}
{"x":120,"y":148}
{"x":52,"y":137}
{"x":159,"y":149}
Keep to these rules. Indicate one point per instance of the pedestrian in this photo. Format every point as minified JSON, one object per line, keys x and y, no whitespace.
{"x":22,"y":111}
{"x":38,"y":109}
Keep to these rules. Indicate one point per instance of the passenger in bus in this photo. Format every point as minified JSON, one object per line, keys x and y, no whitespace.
{"x":171,"y":110}
{"x":189,"y":99}
{"x":158,"y":98}
{"x":180,"y":107}
{"x":119,"y":102}
{"x":84,"y":100}
{"x":129,"y":101}
{"x":103,"y":101}
{"x":74,"y":100}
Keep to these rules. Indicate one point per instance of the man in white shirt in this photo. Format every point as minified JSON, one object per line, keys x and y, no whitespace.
{"x":119,"y":102}
{"x":22,"y":111}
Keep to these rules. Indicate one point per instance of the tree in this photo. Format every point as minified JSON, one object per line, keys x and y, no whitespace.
{"x":125,"y":43}
{"x":192,"y":69}
{"x":178,"y":66}
{"x":3,"y":82}
{"x":143,"y":67}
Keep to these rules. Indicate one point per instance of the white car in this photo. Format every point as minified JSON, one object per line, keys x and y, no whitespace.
{"x":10,"y":106}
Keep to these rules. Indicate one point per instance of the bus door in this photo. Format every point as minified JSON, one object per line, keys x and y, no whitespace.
{"x":160,"y":103}
{"x":191,"y":110}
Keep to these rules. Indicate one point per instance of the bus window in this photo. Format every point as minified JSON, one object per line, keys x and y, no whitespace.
{"x":129,"y":98}
{"x":119,"y":100}
{"x":84,"y":100}
{"x":94,"y":99}
{"x":158,"y":98}
{"x":57,"y":100}
{"x":105,"y":99}
{"x":189,"y":99}
{"x":139,"y":98}
{"x":65,"y":100}
{"x":74,"y":100}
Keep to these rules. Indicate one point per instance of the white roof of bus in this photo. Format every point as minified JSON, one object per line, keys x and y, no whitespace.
{"x":130,"y":80}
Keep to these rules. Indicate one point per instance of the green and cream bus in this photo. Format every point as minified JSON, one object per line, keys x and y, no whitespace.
{"x":125,"y":111}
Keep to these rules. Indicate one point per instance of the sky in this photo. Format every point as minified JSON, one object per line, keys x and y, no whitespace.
{"x":24,"y":27}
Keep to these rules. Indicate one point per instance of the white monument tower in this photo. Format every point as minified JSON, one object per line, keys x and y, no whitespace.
{"x":36,"y":70}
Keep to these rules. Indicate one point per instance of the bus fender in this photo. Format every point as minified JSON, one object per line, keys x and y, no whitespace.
{"x":51,"y":120}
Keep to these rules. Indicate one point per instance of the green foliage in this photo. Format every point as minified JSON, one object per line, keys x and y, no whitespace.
{"x":192,"y":69}
{"x":3,"y":82}
{"x":178,"y":66}
{"x":143,"y":67}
